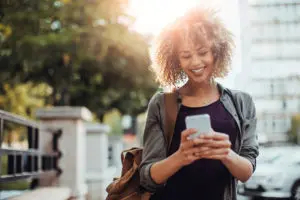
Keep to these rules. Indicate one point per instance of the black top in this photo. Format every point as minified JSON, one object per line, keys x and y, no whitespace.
{"x":204,"y":178}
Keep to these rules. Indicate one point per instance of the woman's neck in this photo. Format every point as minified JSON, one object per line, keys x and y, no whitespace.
{"x":199,"y":89}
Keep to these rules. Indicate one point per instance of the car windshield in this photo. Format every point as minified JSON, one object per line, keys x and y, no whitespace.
{"x":288,"y":159}
{"x":278,"y":156}
{"x":268,"y":158}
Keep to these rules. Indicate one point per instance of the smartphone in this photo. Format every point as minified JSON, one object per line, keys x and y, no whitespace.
{"x":199,"y":122}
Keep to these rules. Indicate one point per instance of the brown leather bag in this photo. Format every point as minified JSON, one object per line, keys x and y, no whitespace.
{"x":127,"y":187}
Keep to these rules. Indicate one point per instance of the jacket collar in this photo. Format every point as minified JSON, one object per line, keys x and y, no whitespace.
{"x":220,"y":87}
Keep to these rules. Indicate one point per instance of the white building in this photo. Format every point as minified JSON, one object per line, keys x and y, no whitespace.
{"x":276,"y":99}
{"x":270,"y":32}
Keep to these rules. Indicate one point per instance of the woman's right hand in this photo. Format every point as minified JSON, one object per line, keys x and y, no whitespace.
{"x":162,"y":170}
{"x":186,"y":153}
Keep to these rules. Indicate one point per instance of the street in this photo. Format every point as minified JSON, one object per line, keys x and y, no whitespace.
{"x":239,"y":197}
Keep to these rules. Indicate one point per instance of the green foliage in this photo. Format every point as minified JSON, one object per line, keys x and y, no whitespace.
{"x":295,"y":128}
{"x":16,"y":185}
{"x":5,"y":32}
{"x":113,"y":118}
{"x":84,"y":50}
{"x":24,"y":99}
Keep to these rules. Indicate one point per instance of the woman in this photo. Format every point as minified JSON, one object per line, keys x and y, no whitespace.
{"x":197,"y":48}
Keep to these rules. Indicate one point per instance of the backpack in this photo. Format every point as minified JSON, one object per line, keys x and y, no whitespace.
{"x":127,"y":187}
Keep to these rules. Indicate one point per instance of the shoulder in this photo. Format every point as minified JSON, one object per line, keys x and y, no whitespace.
{"x":156,"y":102}
{"x":237,"y":95}
{"x":241,"y":95}
{"x":156,"y":99}
{"x":244,"y":101}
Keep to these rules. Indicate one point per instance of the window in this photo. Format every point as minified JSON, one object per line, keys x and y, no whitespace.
{"x":265,"y":125}
{"x":110,"y":156}
{"x":284,"y":104}
{"x":272,"y":89}
{"x":297,"y":10}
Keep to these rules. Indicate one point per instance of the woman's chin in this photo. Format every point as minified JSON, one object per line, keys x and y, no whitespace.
{"x":199,"y":79}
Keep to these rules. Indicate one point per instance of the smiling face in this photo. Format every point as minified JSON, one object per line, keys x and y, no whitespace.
{"x":196,"y":46}
{"x":196,"y":60}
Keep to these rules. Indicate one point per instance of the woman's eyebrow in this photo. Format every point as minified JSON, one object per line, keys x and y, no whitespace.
{"x":184,"y":51}
{"x":187,"y":51}
{"x":201,"y":48}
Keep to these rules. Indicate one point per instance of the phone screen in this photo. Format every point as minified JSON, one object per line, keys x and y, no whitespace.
{"x":199,"y":122}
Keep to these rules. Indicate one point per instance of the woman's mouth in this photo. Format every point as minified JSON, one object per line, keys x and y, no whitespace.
{"x":198,"y":70}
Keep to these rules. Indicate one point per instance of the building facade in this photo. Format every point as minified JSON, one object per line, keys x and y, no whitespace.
{"x":270,"y":32}
{"x":276,"y":99}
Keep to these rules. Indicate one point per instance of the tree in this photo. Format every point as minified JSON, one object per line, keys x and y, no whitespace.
{"x":293,"y":133}
{"x":113,"y":118}
{"x":24,"y":99}
{"x":84,"y":50}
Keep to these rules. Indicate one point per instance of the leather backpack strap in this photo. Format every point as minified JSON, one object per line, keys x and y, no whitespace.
{"x":171,"y":111}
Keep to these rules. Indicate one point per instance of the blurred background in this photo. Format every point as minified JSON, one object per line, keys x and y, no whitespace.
{"x":75,"y":85}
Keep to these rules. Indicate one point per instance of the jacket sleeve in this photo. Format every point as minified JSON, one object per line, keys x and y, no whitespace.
{"x":153,"y":143}
{"x":249,"y":148}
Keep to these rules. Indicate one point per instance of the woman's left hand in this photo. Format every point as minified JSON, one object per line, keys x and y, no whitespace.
{"x":217,"y":146}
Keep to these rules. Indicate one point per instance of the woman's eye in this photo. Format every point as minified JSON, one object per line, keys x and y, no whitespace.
{"x":185,"y":57}
{"x":202,"y":53}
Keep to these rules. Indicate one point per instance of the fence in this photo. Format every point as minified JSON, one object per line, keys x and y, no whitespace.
{"x":31,"y":162}
{"x":64,"y":157}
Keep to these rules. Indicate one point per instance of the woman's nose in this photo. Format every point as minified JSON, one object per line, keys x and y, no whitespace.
{"x":196,"y":60}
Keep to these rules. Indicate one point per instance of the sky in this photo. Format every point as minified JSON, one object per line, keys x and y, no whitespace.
{"x":153,"y":15}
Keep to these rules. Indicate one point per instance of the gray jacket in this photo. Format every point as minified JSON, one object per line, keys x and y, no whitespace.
{"x":154,"y":140}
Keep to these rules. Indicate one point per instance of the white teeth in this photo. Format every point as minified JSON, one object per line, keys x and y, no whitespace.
{"x":198,"y":70}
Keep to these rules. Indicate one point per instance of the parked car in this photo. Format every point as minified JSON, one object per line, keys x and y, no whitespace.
{"x":262,"y":138}
{"x":277,"y":174}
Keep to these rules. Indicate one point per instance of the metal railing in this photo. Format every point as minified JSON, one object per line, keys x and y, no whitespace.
{"x":30,"y":162}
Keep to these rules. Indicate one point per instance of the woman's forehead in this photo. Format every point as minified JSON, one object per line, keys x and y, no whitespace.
{"x":188,"y":44}
{"x":193,"y":39}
